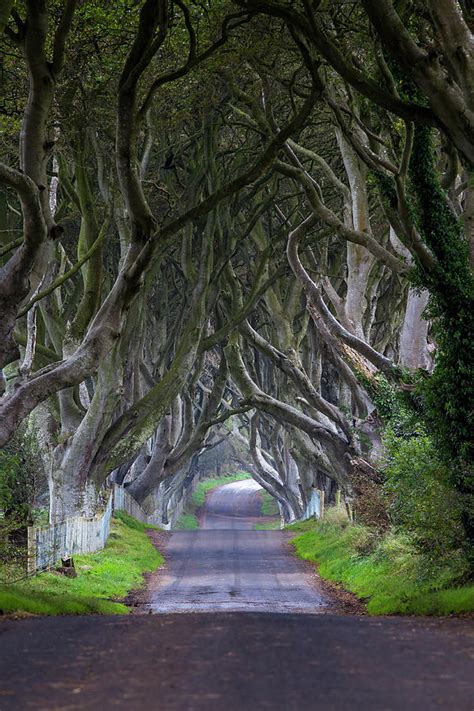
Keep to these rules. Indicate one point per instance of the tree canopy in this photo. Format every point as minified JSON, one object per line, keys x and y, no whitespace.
{"x":244,"y":226}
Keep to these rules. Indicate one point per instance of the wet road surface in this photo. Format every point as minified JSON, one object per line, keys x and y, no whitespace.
{"x":236,"y":661}
{"x":229,"y":566}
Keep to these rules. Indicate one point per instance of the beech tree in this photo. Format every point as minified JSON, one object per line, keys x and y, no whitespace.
{"x":92,"y":343}
{"x":417,"y":59}
{"x":233,"y":224}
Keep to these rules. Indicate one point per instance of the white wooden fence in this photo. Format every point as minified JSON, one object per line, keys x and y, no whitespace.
{"x":315,"y":505}
{"x":122,"y":501}
{"x":78,"y":534}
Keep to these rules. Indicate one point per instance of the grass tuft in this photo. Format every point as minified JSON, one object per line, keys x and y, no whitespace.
{"x":134,"y":523}
{"x":187,"y":522}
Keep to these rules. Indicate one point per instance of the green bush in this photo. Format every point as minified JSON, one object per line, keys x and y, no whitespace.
{"x":418,"y":484}
{"x":269,"y":504}
{"x":13,"y":492}
{"x":422,"y":501}
{"x":21,"y":476}
{"x":15,"y":509}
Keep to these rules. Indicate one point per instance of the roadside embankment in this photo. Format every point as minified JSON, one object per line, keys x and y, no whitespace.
{"x":102,"y":579}
{"x":385,"y":571}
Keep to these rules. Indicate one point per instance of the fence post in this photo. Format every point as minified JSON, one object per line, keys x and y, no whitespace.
{"x":338,"y":499}
{"x":350,"y":512}
{"x":31,"y":550}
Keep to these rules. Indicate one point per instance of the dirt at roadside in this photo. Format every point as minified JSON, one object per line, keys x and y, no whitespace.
{"x":138,"y":600}
{"x":344,"y":602}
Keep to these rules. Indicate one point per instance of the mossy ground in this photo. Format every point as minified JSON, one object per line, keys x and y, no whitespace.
{"x":103,"y":577}
{"x":188,"y":521}
{"x":388,"y":573}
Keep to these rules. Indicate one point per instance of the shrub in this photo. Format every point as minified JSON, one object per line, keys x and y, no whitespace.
{"x":20,"y":478}
{"x":422,"y":500}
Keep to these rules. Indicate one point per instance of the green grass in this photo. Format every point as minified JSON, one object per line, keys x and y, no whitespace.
{"x":390,"y":574}
{"x":269,"y":508}
{"x":103,"y":577}
{"x":268,"y":526}
{"x":269,"y":505}
{"x":188,"y":520}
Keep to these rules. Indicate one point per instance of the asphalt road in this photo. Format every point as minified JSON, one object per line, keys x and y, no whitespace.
{"x":229,"y":566}
{"x":236,"y":661}
{"x":235,"y":506}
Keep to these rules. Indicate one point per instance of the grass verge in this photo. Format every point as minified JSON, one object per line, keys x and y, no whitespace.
{"x":388,"y":573}
{"x":102,"y":577}
{"x":269,"y":508}
{"x":188,"y":521}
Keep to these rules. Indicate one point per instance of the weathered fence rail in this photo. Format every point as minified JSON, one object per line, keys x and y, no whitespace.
{"x":122,"y":501}
{"x":78,"y":534}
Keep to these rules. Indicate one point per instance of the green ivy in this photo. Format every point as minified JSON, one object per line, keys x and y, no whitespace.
{"x":397,"y":408}
{"x":449,"y":393}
